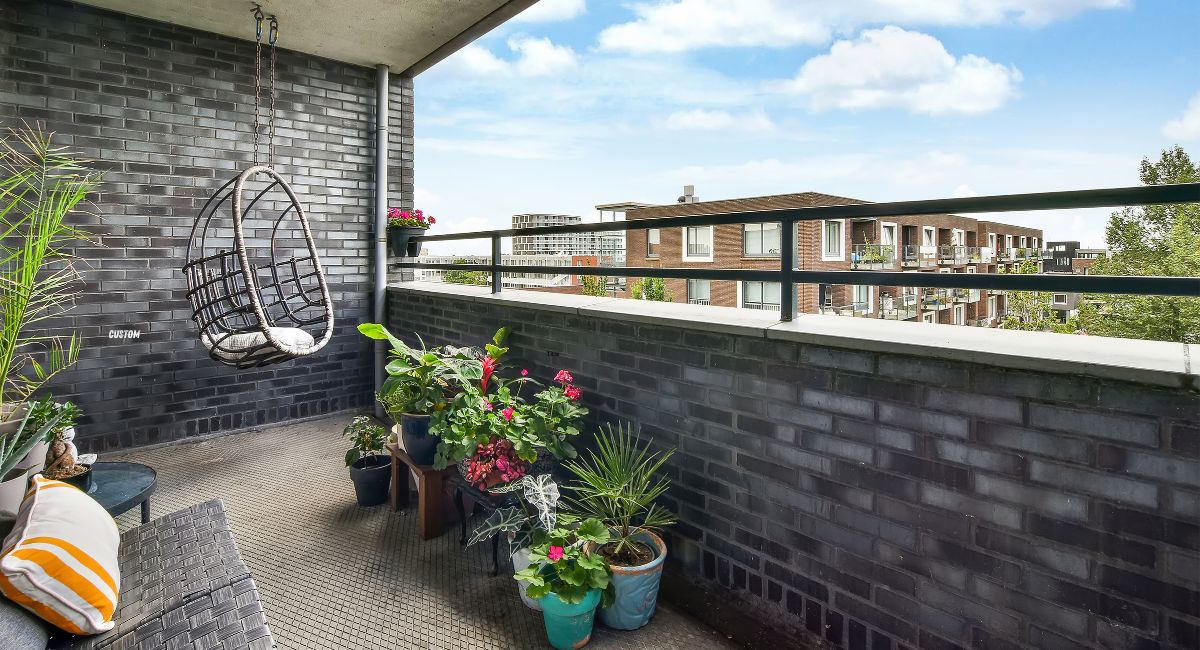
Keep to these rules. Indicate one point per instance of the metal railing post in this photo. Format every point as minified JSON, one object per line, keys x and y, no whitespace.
{"x":497,"y":258}
{"x":787,"y":264}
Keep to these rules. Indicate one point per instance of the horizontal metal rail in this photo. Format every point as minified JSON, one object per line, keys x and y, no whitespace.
{"x":787,"y":275}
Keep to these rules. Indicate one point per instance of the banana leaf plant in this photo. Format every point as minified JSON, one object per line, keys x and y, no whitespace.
{"x":423,"y":380}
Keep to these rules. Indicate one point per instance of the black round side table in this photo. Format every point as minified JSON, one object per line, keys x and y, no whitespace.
{"x":119,"y":486}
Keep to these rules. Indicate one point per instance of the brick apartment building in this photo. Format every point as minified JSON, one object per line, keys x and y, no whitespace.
{"x":925,"y":244}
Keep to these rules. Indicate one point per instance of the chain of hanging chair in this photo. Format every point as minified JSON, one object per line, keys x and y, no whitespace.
{"x":227,"y":298}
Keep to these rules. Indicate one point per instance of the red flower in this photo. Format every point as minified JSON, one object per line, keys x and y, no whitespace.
{"x":487,"y":405}
{"x":573,"y":393}
{"x":489,"y":367}
{"x":563,"y":377}
{"x":431,"y":220}
{"x":508,"y":414}
{"x":524,"y":372}
{"x":555,"y":553}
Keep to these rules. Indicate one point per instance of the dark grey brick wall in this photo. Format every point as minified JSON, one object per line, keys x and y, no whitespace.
{"x":889,"y":501}
{"x":166,"y":113}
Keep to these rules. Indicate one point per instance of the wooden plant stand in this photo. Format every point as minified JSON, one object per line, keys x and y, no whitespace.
{"x":431,"y":496}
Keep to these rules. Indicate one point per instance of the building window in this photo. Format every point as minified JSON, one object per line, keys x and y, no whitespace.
{"x":862,"y":298}
{"x":760,"y":295}
{"x":1033,"y":243}
{"x":1060,"y":298}
{"x":960,"y":315}
{"x":887,"y":234}
{"x":699,"y":292}
{"x":927,"y":317}
{"x":832,"y":240}
{"x":760,"y":240}
{"x":991,"y":307}
{"x":1023,"y":244}
{"x":697,"y":242}
{"x":1008,"y":241}
{"x":992,"y":240}
{"x":928,"y":236}
{"x":652,"y":242}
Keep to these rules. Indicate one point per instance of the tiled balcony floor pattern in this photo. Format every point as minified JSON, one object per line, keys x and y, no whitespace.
{"x":334,"y":575}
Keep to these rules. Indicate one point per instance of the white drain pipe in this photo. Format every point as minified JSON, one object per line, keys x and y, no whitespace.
{"x":381,"y":207}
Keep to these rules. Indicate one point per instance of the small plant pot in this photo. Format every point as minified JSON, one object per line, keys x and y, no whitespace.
{"x":418,"y":442}
{"x":635,"y":588}
{"x":12,"y":492}
{"x":372,"y":475}
{"x":401,"y":242}
{"x":82,"y":481}
{"x":520,"y":560}
{"x":569,"y":626}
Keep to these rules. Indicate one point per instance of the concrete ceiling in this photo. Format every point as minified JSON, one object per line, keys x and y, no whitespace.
{"x":407,"y":35}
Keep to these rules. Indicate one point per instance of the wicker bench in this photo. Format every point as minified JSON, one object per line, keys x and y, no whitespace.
{"x":183,"y":585}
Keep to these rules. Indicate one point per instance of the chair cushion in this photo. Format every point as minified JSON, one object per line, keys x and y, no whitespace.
{"x":20,"y":630}
{"x":230,"y":347}
{"x":60,"y":560}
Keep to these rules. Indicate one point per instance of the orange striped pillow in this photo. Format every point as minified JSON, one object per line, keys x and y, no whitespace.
{"x":60,"y":560}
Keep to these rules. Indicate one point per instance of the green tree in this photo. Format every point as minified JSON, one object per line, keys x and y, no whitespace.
{"x":1031,"y":311}
{"x":595,"y":285}
{"x":466,"y":277}
{"x":650,"y":289}
{"x":1151,"y":240}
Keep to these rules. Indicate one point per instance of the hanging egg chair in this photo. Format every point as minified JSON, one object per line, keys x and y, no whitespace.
{"x":254,"y":277}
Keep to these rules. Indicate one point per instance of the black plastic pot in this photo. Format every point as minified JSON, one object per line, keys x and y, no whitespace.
{"x":401,"y":242}
{"x":418,"y":442}
{"x":371,"y":475}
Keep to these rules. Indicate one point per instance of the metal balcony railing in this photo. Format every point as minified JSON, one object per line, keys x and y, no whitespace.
{"x":918,"y":256}
{"x":860,"y":309}
{"x":761,"y":306}
{"x":873,"y":256}
{"x":699,"y":301}
{"x":788,"y":275}
{"x":902,"y":307}
{"x":935,"y":299}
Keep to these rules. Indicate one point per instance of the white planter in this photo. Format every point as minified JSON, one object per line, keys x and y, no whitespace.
{"x":12,"y":492}
{"x":520,"y":560}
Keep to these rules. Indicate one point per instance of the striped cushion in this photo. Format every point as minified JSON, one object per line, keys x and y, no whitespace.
{"x":60,"y":560}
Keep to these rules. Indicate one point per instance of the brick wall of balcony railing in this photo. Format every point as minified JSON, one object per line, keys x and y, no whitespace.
{"x":868,"y":483}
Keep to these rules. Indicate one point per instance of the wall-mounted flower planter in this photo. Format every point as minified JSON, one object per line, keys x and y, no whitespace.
{"x":401,"y":242}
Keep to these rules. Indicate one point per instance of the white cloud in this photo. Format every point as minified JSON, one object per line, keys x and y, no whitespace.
{"x":680,"y":25}
{"x":535,"y":57}
{"x":511,"y":148}
{"x":893,"y":67}
{"x":714,"y":120}
{"x":548,"y":11}
{"x":1186,"y":126}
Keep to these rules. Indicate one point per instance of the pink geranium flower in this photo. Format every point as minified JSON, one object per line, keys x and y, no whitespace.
{"x":507,"y":413}
{"x":487,"y":405}
{"x":524,"y":372}
{"x":555,"y":554}
{"x":563,"y":377}
{"x":573,"y":393}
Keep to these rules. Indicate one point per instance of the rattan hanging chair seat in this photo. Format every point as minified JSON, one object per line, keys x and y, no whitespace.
{"x":254,"y":278}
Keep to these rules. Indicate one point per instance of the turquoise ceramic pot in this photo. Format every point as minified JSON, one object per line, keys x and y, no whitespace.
{"x":569,"y":626}
{"x":636,"y":588}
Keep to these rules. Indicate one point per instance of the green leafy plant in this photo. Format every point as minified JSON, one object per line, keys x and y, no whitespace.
{"x":40,"y":186}
{"x":420,"y":380}
{"x":458,"y":276}
{"x":650,"y":289}
{"x":44,"y":410}
{"x":14,"y":447}
{"x":531,"y":521}
{"x":565,"y":564}
{"x":619,"y":484}
{"x":366,"y":438}
{"x":595,"y":285}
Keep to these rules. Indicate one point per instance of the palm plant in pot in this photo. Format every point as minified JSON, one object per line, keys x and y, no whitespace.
{"x":619,"y":484}
{"x":420,"y":382}
{"x":40,"y":186}
{"x":370,"y":470}
{"x":569,"y":580}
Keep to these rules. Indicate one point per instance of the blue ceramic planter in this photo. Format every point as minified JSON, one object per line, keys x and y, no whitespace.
{"x":418,"y":442}
{"x":569,"y":626}
{"x":636,"y":588}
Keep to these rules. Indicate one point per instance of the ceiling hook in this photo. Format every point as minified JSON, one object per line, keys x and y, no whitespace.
{"x":258,"y":20}
{"x":274,"y":33}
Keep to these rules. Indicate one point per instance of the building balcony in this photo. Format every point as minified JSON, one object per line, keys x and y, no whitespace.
{"x":920,"y":256}
{"x":935,"y":299}
{"x":873,"y":256}
{"x":964,"y":295}
{"x":859,"y":309}
{"x":902,"y":307}
{"x":959,"y":255}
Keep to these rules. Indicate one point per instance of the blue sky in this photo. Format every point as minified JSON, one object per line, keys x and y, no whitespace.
{"x":579,"y":102}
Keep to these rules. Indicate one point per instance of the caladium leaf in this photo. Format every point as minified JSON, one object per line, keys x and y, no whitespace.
{"x":501,"y":521}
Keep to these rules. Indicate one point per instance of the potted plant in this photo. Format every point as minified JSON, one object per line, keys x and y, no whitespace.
{"x":14,"y":448}
{"x":63,"y":461}
{"x":40,"y":186}
{"x":370,"y":470}
{"x":403,"y":225}
{"x":420,"y":382}
{"x":619,"y":484}
{"x":527,"y":522}
{"x":569,"y":580}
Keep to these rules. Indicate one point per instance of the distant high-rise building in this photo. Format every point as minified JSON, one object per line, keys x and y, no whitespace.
{"x":605,"y":245}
